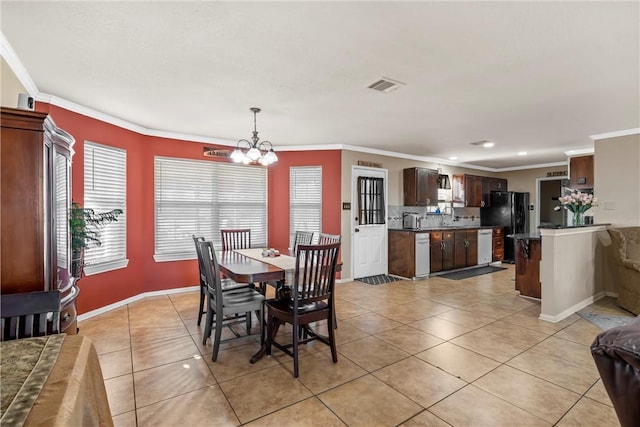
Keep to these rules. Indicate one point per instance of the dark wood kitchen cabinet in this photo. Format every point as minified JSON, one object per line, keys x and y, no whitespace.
{"x":498,"y":244}
{"x":528,"y":256}
{"x":35,"y":197}
{"x":402,"y":253}
{"x":465,"y":248}
{"x":581,"y":172}
{"x":441,"y":250}
{"x":489,"y":185}
{"x":420,"y":187}
{"x":467,"y":191}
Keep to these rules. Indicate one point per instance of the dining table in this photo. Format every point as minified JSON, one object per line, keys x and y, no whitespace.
{"x":54,"y":380}
{"x":250,"y":266}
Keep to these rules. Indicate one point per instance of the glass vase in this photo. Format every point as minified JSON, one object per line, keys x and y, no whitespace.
{"x":578,"y":218}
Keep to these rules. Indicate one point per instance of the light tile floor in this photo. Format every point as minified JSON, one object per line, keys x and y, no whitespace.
{"x":434,"y":352}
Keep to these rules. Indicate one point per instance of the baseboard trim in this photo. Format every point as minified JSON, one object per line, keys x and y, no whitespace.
{"x":134,"y":298}
{"x":569,"y":311}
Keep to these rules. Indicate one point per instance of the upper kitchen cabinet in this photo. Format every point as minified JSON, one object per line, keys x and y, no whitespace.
{"x":489,"y":185}
{"x":581,"y":172}
{"x":467,"y":191}
{"x":420,"y":187}
{"x":471,"y":191}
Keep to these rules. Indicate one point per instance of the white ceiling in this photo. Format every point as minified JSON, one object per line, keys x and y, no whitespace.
{"x":539,"y":77}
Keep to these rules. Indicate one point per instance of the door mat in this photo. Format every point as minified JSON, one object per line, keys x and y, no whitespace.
{"x":378,"y":280}
{"x":605,"y":321}
{"x":465,"y":274}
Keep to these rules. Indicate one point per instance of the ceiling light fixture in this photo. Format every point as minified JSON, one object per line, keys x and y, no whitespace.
{"x":255,"y":152}
{"x":484,"y":143}
{"x":453,"y":158}
{"x":522,"y":153}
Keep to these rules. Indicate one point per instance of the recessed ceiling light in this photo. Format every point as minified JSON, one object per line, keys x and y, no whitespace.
{"x":522,"y":153}
{"x":485,"y":143}
{"x":453,"y":158}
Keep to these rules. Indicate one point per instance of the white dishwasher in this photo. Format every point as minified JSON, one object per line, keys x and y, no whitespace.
{"x":422,"y":255}
{"x":485,"y":237}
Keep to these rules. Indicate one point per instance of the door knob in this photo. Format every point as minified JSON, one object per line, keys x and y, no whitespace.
{"x":357,"y":230}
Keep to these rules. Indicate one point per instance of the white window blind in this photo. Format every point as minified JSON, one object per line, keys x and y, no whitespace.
{"x":305,"y":200}
{"x":202,"y":197}
{"x":105,"y":189}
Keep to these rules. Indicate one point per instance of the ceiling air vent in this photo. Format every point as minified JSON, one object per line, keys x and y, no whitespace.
{"x":385,"y":85}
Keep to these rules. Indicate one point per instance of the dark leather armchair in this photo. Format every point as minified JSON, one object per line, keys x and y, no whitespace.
{"x":616,"y":353}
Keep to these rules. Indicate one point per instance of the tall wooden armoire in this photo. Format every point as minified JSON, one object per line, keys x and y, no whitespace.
{"x":35,"y":197}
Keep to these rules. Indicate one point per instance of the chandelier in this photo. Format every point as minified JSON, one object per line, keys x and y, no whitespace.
{"x":254,"y":152}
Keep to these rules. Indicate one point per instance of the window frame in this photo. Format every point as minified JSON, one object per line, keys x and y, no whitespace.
{"x":213,"y":201}
{"x":93,"y":267}
{"x":309,"y":205}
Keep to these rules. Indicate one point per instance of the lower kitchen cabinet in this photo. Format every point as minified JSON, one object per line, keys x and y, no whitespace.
{"x":442,"y":251}
{"x":402,"y":253}
{"x":466,"y":248}
{"x":498,"y":244}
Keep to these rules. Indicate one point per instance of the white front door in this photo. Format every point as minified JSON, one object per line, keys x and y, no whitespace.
{"x":369,"y":233}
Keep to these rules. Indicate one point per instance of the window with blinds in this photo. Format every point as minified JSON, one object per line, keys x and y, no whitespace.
{"x":202,"y":197}
{"x":105,"y":189}
{"x":305,"y":200}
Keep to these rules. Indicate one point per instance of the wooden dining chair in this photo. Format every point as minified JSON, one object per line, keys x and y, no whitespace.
{"x":326,"y":239}
{"x":239,"y":238}
{"x":311,"y":301}
{"x":302,"y":238}
{"x":203,"y":284}
{"x":229,"y":304}
{"x":29,"y":314}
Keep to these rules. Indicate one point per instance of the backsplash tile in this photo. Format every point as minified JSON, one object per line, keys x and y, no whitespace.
{"x":457,"y":216}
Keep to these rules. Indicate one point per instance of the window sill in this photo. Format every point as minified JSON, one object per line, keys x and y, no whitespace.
{"x":173,"y":257}
{"x":90,"y":270}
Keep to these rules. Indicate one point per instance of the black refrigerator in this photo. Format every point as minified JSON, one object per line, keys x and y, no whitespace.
{"x":509,"y":210}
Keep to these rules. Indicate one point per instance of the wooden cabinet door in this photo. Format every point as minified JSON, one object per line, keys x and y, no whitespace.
{"x":402,"y":256}
{"x":472,"y":248}
{"x":436,"y":256}
{"x":431,"y":187}
{"x":473,"y":191}
{"x":22,"y":198}
{"x":447,"y":255}
{"x":581,"y":172}
{"x":460,"y":249}
{"x":420,"y":187}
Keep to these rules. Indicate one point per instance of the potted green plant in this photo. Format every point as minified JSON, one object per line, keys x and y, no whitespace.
{"x":86,"y":225}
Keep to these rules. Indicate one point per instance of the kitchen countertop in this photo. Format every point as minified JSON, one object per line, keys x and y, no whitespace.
{"x":445,"y":228}
{"x":525,"y":236}
{"x":559,"y":227}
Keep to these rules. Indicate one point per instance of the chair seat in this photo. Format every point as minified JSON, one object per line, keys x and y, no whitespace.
{"x":239,"y":300}
{"x":284,"y":306}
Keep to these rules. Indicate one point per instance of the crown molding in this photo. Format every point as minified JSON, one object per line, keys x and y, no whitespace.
{"x":580,"y":152}
{"x":16,"y":66}
{"x":615,"y":134}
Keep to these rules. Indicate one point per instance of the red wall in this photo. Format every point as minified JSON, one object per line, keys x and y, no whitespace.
{"x":143,"y":274}
{"x":279,"y":192}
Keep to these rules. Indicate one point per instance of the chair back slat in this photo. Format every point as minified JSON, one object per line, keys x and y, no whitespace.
{"x":236,"y":239}
{"x":315,"y":273}
{"x":29,"y":314}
